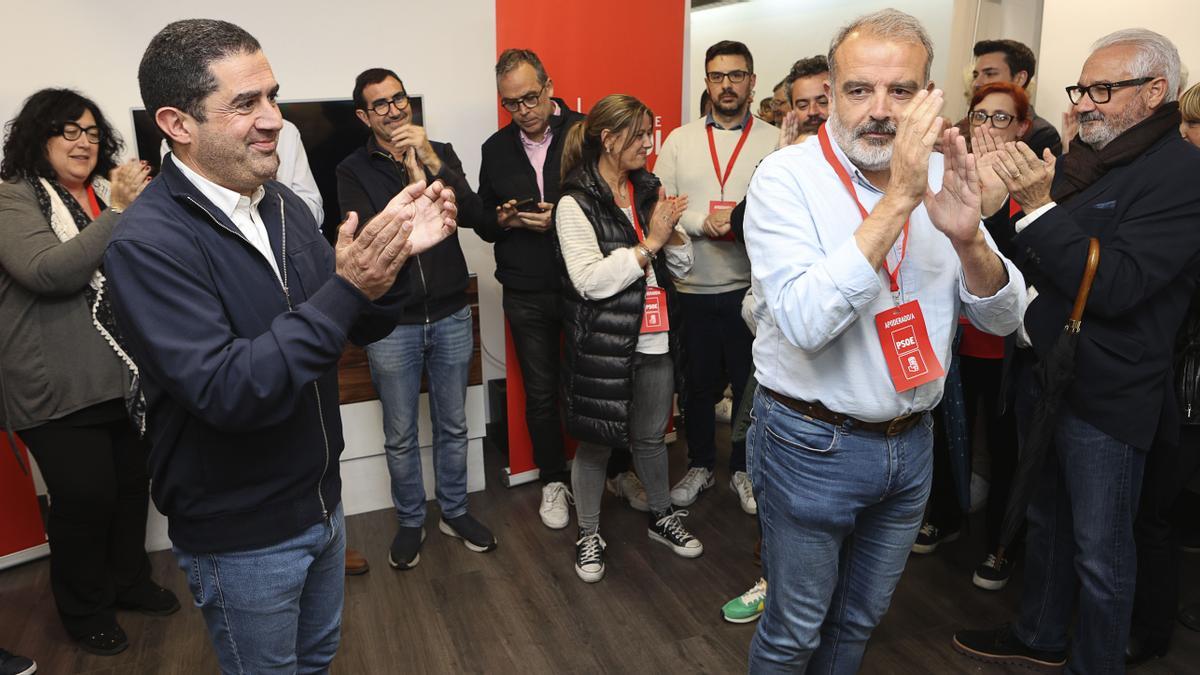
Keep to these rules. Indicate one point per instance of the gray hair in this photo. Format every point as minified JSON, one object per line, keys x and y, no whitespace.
{"x":511,"y":59}
{"x":1156,"y":56}
{"x":888,"y":23}
{"x":175,"y":72}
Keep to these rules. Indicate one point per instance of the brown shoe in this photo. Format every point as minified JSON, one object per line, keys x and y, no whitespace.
{"x":356,"y":563}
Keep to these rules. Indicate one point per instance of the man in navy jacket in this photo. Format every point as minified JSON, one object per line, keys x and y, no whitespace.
{"x":1128,"y":180}
{"x":236,"y":311}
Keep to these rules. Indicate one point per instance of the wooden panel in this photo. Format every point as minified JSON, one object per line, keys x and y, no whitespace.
{"x":354,"y":373}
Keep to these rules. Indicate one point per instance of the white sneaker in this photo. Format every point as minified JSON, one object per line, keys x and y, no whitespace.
{"x":724,"y":410}
{"x":627,"y":486}
{"x":740,"y":484}
{"x":691,"y":485}
{"x":554,"y":510}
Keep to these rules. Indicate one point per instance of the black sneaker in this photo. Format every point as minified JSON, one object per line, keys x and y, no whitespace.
{"x":930,"y":537}
{"x":11,"y":664}
{"x":108,"y":641}
{"x":589,"y":556}
{"x":406,"y":548}
{"x":992,"y":574}
{"x":474,"y":534}
{"x":999,"y":645}
{"x":149,"y":599}
{"x":665,"y":528}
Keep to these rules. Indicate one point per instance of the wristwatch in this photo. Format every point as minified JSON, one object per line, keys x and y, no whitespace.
{"x":646,"y":252}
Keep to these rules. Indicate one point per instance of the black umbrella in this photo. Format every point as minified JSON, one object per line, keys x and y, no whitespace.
{"x":1055,"y":373}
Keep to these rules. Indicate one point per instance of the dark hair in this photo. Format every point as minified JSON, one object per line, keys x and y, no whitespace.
{"x":1016,"y":55}
{"x":813,"y":65}
{"x":511,"y":59}
{"x":729,"y":48}
{"x":1019,"y":97}
{"x":369,"y":77}
{"x":42,"y":117}
{"x":615,"y":112}
{"x":175,"y":69}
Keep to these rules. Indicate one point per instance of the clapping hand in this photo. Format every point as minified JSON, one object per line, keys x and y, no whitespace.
{"x":1027,"y":178}
{"x":1070,"y":127}
{"x":432,"y":211}
{"x":987,"y":151}
{"x":789,"y":129}
{"x":919,"y":128}
{"x":127,"y":182}
{"x":954,"y":210}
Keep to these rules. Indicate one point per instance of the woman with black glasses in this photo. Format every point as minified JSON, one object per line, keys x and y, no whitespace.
{"x":68,"y":388}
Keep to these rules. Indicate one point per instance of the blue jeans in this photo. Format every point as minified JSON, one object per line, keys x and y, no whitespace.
{"x":840,"y":509}
{"x":276,"y":609}
{"x":443,"y":350}
{"x":1079,"y":544}
{"x":719,"y":347}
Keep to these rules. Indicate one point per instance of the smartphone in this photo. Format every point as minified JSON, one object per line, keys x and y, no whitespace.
{"x":529,"y":205}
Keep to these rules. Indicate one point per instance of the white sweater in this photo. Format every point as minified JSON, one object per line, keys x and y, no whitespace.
{"x":685,"y":167}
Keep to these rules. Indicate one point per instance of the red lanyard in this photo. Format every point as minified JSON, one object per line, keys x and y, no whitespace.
{"x":93,"y":204}
{"x":637,"y":225}
{"x":826,"y":148}
{"x":712,"y":150}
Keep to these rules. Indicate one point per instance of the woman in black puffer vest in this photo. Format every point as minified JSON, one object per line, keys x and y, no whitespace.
{"x":619,"y":247}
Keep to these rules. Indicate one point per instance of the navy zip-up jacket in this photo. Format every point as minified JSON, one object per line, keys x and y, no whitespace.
{"x":239,"y":369}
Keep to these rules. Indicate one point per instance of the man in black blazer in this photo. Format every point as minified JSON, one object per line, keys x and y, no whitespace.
{"x":1129,"y":180}
{"x":518,"y":187}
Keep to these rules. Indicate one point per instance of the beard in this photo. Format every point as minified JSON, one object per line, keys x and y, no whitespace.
{"x":864,"y":153}
{"x":811,"y":124}
{"x":1098,"y":129}
{"x":739,"y":102}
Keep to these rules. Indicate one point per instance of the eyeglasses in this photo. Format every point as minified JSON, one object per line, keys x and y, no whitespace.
{"x":735,"y":76}
{"x":1000,"y":120}
{"x":382,"y":108}
{"x":512,"y":105}
{"x":1102,"y":92}
{"x":72,"y":131}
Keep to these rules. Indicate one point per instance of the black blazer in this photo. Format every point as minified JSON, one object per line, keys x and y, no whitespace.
{"x":524,"y":259}
{"x":1147,"y":217}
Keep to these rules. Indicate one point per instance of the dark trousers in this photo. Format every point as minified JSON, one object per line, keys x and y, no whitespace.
{"x":535,"y":319}
{"x":95,"y":472}
{"x":1156,"y":601}
{"x":981,"y":379}
{"x":719,"y":349}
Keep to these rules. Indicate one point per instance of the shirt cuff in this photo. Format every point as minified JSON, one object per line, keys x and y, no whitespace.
{"x":853,"y":275}
{"x":1030,"y":217}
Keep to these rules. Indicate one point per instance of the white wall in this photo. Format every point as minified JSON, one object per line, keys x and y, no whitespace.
{"x":778,"y":32}
{"x":1069,"y":27}
{"x":444,"y":51}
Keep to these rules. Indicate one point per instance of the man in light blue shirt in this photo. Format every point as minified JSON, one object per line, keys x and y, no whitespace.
{"x":840,"y":454}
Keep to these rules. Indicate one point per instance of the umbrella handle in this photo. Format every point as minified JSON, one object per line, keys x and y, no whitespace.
{"x":1085,"y":284}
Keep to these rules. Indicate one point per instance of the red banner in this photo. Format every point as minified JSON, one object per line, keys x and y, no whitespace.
{"x":592,"y":50}
{"x":21,"y":526}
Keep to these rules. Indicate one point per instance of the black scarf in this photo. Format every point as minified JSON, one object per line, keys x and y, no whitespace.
{"x":1082,"y":166}
{"x":103,"y":317}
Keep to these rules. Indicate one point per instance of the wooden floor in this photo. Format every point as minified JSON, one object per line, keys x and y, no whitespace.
{"x":521,"y":609}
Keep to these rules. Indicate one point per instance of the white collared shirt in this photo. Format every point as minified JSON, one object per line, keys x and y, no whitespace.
{"x":818,"y":295}
{"x":242,"y":210}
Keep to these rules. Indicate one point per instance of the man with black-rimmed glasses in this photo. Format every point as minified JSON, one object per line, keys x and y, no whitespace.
{"x":434,"y":332}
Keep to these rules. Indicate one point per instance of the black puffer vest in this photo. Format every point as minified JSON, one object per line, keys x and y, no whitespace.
{"x":602,"y":335}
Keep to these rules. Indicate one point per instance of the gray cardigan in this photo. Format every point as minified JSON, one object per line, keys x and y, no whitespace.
{"x":53,"y":361}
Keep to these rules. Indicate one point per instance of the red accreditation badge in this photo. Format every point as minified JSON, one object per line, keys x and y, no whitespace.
{"x":911,"y":359}
{"x":654,"y":316}
{"x":713,"y":207}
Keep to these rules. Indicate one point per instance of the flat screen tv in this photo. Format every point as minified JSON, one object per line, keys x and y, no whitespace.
{"x":329,"y":129}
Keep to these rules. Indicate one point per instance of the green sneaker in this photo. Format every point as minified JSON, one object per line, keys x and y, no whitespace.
{"x":746,"y":607}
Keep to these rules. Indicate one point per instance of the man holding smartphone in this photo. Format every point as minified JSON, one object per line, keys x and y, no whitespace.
{"x":518,"y":187}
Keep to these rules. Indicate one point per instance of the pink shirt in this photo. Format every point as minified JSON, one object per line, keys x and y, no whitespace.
{"x":536,"y":152}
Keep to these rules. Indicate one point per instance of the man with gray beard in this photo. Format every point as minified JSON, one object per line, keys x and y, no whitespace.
{"x":865,"y":246}
{"x":1129,"y":181}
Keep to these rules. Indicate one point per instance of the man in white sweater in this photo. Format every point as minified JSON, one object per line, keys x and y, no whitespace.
{"x":711,"y":160}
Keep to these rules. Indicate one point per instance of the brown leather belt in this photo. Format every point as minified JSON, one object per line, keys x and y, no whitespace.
{"x":820,"y":412}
